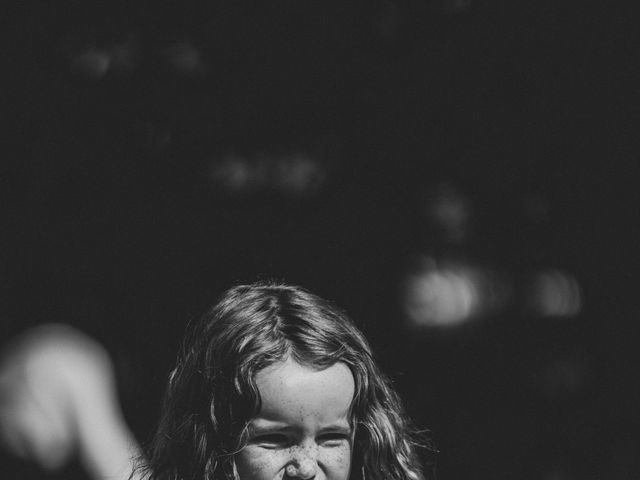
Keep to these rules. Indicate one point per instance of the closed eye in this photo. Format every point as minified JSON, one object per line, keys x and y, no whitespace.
{"x":333,"y":439}
{"x":271,"y":440}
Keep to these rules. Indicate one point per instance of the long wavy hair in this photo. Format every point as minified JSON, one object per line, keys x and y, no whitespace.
{"x":212,"y":395}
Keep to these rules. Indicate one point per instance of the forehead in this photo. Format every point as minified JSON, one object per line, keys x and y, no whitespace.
{"x":292,"y":393}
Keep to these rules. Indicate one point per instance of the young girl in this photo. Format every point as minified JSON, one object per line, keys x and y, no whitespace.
{"x":273,"y":383}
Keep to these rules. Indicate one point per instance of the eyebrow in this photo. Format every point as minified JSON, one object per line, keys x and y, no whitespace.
{"x":267,"y":426}
{"x":270,"y":427}
{"x":337,"y":427}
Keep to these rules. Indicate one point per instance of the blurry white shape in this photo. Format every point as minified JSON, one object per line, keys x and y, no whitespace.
{"x":184,"y":57}
{"x":449,"y":212}
{"x":97,"y":59}
{"x":294,"y":173}
{"x":299,"y":173}
{"x":91,"y":62}
{"x":554,"y":293}
{"x":232,"y":172}
{"x":439,"y":298}
{"x":451,"y":293}
{"x":59,"y":399}
{"x":435,"y":296}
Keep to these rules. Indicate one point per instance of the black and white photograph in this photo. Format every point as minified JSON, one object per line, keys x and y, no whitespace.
{"x":319,"y":240}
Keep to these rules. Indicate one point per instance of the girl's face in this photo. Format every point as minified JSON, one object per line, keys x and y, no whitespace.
{"x":303,"y":428}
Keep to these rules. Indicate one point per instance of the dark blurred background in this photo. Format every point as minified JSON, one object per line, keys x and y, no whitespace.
{"x":459,"y":175}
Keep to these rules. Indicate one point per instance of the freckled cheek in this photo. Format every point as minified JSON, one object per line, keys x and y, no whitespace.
{"x":338,"y":461}
{"x":257,"y":464}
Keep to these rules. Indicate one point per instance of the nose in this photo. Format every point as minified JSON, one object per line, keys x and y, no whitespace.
{"x":303,"y":465}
